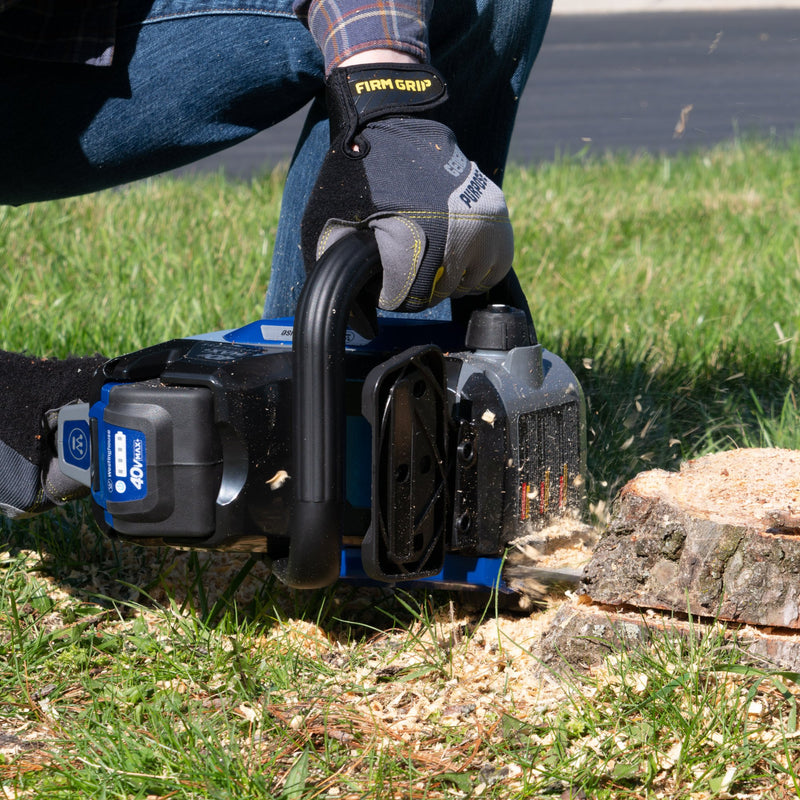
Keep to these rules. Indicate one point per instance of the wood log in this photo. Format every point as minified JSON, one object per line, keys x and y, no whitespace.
{"x":582,"y":634}
{"x":720,"y":539}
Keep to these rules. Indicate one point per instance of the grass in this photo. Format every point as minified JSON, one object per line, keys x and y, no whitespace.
{"x":669,"y":285}
{"x":120,"y":270}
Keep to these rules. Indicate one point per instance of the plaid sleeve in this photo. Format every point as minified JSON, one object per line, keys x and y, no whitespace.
{"x":343,"y":28}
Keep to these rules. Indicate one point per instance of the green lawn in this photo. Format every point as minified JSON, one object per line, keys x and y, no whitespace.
{"x":670,"y":286}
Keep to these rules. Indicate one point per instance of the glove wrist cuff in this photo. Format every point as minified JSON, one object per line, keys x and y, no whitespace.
{"x":361,"y":94}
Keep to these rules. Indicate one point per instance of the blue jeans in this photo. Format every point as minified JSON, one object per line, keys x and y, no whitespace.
{"x":192,"y":77}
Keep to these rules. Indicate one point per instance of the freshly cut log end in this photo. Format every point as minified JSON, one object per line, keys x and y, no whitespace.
{"x":720,"y":538}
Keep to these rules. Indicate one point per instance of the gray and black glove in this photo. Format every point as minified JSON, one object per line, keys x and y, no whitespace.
{"x":441,"y":225}
{"x":31,"y":389}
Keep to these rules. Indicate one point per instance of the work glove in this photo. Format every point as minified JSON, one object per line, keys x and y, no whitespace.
{"x":441,"y":225}
{"x":31,"y":390}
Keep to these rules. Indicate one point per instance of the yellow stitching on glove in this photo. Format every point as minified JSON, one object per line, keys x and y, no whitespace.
{"x":436,"y":279}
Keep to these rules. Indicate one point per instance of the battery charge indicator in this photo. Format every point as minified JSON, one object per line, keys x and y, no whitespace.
{"x":120,"y":454}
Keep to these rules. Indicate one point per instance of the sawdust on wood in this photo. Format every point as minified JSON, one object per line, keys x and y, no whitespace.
{"x":753,"y":486}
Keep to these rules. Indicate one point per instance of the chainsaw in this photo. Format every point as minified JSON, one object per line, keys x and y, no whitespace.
{"x":340,"y":444}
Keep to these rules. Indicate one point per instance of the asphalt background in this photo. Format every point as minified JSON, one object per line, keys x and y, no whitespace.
{"x":624,"y":81}
{"x":644,"y":74}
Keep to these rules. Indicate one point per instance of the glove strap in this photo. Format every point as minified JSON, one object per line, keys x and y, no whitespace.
{"x":361,"y":94}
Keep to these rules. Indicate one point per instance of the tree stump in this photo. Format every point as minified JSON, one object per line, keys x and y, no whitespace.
{"x":719,"y":539}
{"x":582,"y":634}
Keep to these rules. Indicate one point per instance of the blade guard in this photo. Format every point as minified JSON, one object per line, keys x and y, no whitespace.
{"x":404,"y":400}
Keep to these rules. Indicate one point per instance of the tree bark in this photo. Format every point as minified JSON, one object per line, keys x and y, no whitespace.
{"x":720,"y":538}
{"x":581,"y":635}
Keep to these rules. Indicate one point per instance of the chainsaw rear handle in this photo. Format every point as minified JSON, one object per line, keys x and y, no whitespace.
{"x":318,"y":414}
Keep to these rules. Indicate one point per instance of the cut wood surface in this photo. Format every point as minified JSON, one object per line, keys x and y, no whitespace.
{"x":720,"y":538}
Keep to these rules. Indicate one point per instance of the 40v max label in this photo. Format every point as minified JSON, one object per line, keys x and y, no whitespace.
{"x":126,"y":464}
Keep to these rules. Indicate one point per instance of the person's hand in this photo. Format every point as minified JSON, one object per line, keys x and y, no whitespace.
{"x":441,"y":225}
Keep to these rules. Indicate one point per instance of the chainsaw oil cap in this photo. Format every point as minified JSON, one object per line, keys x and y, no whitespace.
{"x":498,"y":327}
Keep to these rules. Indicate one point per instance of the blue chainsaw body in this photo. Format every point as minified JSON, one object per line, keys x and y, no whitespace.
{"x":412,"y":450}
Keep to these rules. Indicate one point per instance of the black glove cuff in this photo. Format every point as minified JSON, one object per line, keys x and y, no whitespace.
{"x":360,"y":94}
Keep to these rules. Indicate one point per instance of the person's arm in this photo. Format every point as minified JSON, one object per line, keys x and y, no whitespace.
{"x":381,"y":56}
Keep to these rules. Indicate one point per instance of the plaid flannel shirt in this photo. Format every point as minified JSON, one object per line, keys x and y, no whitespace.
{"x":343,"y":28}
{"x":83,"y":31}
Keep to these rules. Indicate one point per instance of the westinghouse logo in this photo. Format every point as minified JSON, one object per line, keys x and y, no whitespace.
{"x":393,"y":84}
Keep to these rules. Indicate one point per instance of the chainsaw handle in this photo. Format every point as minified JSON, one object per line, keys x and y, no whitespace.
{"x":318,"y":413}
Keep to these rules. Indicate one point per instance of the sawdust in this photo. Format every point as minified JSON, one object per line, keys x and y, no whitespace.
{"x":496,"y":656}
{"x":452,"y":672}
{"x":549,"y":559}
{"x":436,"y":691}
{"x":566,"y":542}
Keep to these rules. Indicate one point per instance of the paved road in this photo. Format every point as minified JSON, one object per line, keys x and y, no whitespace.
{"x":622,"y":82}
